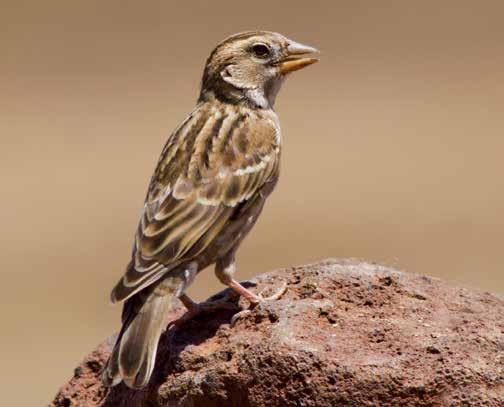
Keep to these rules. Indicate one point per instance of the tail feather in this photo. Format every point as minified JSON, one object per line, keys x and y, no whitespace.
{"x":134,"y":354}
{"x":137,"y":352}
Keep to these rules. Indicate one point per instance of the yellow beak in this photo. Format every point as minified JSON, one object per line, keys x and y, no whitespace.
{"x":296,"y":58}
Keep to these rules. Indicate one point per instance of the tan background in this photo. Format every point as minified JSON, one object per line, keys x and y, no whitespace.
{"x":393,"y":151}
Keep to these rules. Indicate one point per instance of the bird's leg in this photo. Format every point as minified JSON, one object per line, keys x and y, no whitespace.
{"x":194,"y":308}
{"x":197,"y":308}
{"x":225,"y":269}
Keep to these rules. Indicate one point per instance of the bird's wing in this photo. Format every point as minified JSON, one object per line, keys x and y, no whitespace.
{"x":219,"y":157}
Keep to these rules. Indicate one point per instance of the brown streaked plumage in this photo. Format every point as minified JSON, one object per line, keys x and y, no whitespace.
{"x":212,"y":179}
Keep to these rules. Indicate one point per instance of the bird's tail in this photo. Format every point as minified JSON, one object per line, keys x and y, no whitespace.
{"x":134,"y":354}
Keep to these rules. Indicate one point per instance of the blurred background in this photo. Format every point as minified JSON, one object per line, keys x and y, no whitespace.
{"x":393,"y":150}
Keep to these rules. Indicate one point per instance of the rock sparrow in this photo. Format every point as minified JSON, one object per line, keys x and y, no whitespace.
{"x":212,"y":179}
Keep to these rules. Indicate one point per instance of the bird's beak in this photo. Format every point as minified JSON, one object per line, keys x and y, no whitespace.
{"x":297,"y":57}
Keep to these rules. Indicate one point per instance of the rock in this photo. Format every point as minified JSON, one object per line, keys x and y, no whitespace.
{"x":347,"y":333}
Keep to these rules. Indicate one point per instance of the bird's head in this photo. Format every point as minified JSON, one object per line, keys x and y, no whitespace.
{"x":250,"y":67}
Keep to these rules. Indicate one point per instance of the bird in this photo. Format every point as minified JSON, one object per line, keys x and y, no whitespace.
{"x":210,"y":184}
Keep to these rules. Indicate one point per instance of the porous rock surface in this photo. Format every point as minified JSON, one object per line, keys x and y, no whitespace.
{"x":346,"y":333}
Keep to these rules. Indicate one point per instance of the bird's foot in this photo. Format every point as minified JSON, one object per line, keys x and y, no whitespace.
{"x":277,"y":295}
{"x":256,"y":300}
{"x":239,"y":315}
{"x":194,"y":308}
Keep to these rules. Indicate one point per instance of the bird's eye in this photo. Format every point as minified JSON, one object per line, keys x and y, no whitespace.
{"x":260,"y":50}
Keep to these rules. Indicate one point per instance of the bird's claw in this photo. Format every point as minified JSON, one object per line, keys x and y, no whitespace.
{"x":259,"y":299}
{"x":206,"y":307}
{"x":239,"y":315}
{"x":276,"y":296}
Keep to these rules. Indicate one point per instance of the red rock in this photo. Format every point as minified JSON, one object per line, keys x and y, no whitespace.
{"x":347,"y":333}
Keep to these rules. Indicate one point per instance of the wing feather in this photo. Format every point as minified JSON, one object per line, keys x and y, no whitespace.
{"x":218,"y":158}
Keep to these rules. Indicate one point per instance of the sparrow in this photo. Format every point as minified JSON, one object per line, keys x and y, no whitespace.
{"x":209,"y":187}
